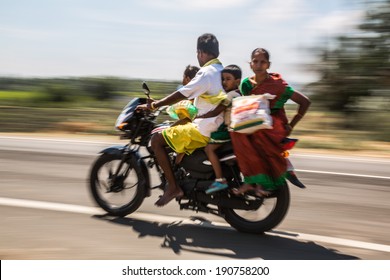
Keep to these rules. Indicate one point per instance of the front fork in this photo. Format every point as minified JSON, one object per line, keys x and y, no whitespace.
{"x":126,"y":153}
{"x":118,"y":177}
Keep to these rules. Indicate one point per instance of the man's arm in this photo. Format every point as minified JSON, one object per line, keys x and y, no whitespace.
{"x":169,"y":100}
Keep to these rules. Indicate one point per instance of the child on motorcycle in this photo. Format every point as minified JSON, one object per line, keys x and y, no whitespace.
{"x":231,"y":78}
{"x":189,"y":73}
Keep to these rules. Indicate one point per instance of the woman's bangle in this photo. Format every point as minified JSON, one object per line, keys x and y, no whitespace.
{"x":152,"y":106}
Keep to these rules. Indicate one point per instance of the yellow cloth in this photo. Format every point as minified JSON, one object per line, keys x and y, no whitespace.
{"x":184,"y":138}
{"x":213,"y":61}
{"x":214,"y":99}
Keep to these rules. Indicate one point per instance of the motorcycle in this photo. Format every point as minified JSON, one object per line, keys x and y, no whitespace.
{"x":120,"y":180}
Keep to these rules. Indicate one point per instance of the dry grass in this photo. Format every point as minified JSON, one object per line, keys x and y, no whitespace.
{"x":318,"y":131}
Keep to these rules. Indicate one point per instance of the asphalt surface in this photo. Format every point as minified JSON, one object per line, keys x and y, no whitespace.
{"x":47,"y":212}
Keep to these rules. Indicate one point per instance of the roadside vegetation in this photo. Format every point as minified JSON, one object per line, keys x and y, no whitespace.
{"x":67,"y":107}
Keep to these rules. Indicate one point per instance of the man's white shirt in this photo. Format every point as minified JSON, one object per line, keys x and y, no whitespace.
{"x":207,"y":80}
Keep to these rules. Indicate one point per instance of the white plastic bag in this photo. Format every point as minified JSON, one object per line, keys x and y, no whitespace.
{"x":251,"y":113}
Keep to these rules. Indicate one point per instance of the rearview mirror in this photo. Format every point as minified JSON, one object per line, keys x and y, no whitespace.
{"x":146,"y":89}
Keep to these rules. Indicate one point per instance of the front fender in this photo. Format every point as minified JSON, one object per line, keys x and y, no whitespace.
{"x":113,"y":150}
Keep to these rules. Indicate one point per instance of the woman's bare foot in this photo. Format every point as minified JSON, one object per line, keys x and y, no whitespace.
{"x":168,"y":196}
{"x":243,"y":189}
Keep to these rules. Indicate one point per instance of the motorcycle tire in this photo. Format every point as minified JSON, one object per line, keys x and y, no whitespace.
{"x":116,"y":200}
{"x":259,"y":224}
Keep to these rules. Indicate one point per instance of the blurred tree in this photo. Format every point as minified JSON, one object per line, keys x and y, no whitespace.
{"x":355,"y":76}
{"x":103,"y":90}
{"x":57,"y":93}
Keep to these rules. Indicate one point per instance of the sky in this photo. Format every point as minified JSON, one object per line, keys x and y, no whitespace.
{"x":156,"y":39}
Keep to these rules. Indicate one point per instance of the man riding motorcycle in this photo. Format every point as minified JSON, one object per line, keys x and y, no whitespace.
{"x":207,"y":92}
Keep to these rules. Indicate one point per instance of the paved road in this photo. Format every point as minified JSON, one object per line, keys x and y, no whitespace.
{"x":47,"y":213}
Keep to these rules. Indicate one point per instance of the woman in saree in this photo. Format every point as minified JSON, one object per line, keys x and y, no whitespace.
{"x":259,"y":155}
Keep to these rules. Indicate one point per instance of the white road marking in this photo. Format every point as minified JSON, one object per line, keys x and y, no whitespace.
{"x":107,"y":142}
{"x":170,"y":219}
{"x":63,"y":140}
{"x":343,"y":157}
{"x":343,"y":174}
{"x":53,"y":206}
{"x":338,"y":241}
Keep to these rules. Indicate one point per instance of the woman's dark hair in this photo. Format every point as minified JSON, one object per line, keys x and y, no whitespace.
{"x":261,"y":50}
{"x":234,"y":70}
{"x":191,"y":71}
{"x":208,"y":43}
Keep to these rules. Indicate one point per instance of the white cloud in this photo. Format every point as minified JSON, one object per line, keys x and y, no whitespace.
{"x":104,"y":18}
{"x":336,"y":22}
{"x":25,"y":33}
{"x":279,"y":10}
{"x":194,"y":5}
{"x":132,"y":38}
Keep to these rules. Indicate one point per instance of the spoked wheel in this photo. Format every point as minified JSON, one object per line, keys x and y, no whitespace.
{"x":118,"y":195}
{"x":270,"y":213}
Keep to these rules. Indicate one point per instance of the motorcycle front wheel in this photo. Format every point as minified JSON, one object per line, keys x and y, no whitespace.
{"x":119,"y":195}
{"x":267,"y":216}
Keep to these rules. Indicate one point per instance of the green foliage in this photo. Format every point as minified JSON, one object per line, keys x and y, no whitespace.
{"x":13,"y":97}
{"x":57,"y":93}
{"x":355,"y":76}
{"x":73,"y":104}
{"x":73,"y":90}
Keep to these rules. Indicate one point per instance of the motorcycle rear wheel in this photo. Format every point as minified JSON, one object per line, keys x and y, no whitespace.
{"x":266,"y":217}
{"x":126,"y":194}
